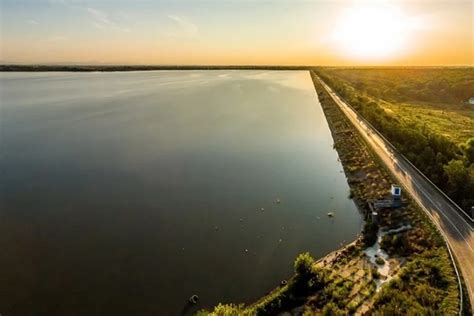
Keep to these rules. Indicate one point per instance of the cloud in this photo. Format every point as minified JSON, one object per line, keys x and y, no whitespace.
{"x":101,"y":20}
{"x":183,"y":27}
{"x":33,"y":22}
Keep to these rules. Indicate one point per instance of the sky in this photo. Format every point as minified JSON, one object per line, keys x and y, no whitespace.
{"x":245,"y":32}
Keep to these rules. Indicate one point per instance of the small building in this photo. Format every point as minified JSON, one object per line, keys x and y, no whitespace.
{"x":396,"y":192}
{"x":392,"y":201}
{"x":375,"y":217}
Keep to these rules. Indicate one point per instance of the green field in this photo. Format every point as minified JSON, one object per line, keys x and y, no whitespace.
{"x":453,"y":122}
{"x":452,"y":86}
{"x":433,"y":97}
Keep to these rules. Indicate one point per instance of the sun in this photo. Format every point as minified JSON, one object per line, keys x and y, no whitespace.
{"x":372,"y":32}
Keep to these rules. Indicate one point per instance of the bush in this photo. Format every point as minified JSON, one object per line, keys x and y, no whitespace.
{"x":308,"y":277}
{"x":379,"y":261}
{"x":225,"y":310}
{"x":331,"y":309}
{"x":375,"y":273}
{"x":304,"y":264}
{"x":425,"y":286}
{"x":369,"y":233}
{"x":352,"y":307}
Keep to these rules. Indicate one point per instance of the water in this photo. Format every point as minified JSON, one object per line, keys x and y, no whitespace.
{"x":126,"y":193}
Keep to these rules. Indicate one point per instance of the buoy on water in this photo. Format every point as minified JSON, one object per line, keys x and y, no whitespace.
{"x":331,"y":214}
{"x":194,"y":299}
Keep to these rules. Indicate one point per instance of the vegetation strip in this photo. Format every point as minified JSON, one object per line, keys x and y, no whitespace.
{"x":460,"y":286}
{"x":322,"y":96}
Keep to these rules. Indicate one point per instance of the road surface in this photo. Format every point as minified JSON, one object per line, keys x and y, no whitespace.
{"x":458,"y":230}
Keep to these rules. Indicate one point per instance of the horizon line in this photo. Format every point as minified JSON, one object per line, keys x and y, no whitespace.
{"x":90,"y":67}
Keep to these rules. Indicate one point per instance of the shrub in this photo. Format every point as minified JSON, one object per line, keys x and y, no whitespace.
{"x":425,"y":286}
{"x":375,"y":273}
{"x":379,"y":261}
{"x":352,"y":307}
{"x":225,"y":310}
{"x":331,"y":309}
{"x":308,"y":277}
{"x":369,"y":233}
{"x":304,"y":264}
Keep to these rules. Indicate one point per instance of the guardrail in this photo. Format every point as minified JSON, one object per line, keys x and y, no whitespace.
{"x":360,"y":117}
{"x":448,"y":245}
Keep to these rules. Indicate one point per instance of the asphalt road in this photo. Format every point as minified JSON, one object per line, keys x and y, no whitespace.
{"x":458,"y":230}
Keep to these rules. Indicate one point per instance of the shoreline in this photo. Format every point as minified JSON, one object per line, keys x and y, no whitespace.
{"x":348,"y":280}
{"x":338,"y":133}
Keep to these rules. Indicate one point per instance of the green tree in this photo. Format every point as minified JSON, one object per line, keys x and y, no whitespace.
{"x":468,"y":149}
{"x":458,"y":177}
{"x":304,"y":264}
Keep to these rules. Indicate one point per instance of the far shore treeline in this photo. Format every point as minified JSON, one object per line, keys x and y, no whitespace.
{"x":85,"y":68}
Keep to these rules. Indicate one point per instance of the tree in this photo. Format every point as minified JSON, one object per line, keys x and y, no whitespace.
{"x":369,"y":233}
{"x":468,"y":149}
{"x":304,"y":264}
{"x":305,"y":277}
{"x":458,"y":177}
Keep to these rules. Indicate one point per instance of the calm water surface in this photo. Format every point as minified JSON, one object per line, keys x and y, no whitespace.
{"x":125,"y":193}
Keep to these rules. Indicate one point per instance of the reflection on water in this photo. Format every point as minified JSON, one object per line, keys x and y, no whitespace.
{"x":125,"y":193}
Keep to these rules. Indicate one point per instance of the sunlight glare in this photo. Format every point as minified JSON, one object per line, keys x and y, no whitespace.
{"x":372,"y":31}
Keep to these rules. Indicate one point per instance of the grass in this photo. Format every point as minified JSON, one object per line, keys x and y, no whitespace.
{"x":449,"y":86}
{"x":434,"y":97}
{"x":437,"y":118}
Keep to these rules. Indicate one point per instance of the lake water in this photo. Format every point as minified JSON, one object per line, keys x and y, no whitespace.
{"x":126,"y":193}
